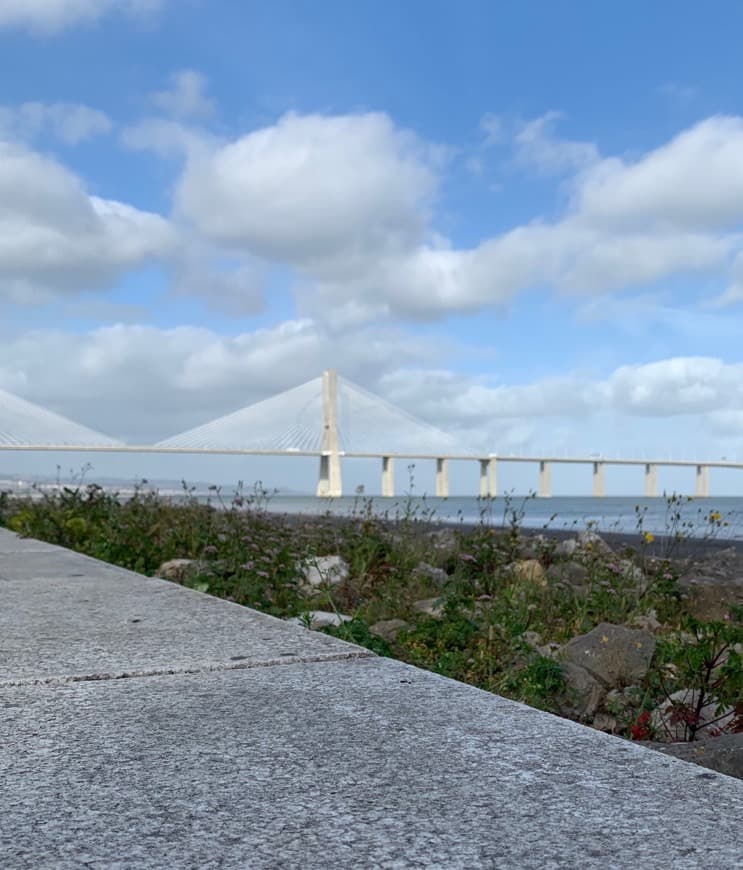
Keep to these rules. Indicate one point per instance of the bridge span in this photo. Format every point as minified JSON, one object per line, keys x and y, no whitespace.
{"x":332,"y":420}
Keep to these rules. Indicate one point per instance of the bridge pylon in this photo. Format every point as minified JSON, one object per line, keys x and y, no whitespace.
{"x":329,"y":484}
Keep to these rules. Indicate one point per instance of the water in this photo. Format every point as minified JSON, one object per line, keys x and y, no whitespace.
{"x":609,"y":514}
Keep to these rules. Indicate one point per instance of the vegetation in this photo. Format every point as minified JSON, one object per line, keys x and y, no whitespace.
{"x":500,"y":598}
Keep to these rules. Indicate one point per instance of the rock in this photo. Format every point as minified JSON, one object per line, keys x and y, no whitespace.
{"x":531,"y":548}
{"x":647,"y":622}
{"x":593,"y":542}
{"x":572,"y":573}
{"x":444,"y":539}
{"x":319,"y":619}
{"x":605,"y":722}
{"x":528,"y":571}
{"x":583,"y":693}
{"x":179,"y":570}
{"x":388,"y":629}
{"x":325,"y":570}
{"x":567,"y":548}
{"x":430,"y":606}
{"x":713,"y":584}
{"x":550,"y":650}
{"x":723,"y":754}
{"x":614,"y":654}
{"x":634,"y":574}
{"x":668,"y":719}
{"x":532,"y":638}
{"x":623,"y":702}
{"x":437,"y":576}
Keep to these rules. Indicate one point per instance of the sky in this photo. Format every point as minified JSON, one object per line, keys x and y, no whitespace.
{"x":521,"y":222}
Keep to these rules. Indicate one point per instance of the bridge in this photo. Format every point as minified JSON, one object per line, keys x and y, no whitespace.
{"x":331,"y":419}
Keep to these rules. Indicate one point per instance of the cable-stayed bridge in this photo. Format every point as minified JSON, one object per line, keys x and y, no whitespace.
{"x":330,"y":418}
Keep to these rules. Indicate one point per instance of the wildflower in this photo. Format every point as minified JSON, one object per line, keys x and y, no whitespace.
{"x":715,"y":517}
{"x":649,"y":537}
{"x":641,"y":729}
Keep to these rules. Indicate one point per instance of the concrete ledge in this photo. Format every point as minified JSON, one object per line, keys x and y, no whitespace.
{"x":360,"y":762}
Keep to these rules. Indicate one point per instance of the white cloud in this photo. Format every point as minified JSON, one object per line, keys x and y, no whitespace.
{"x":52,"y":16}
{"x":55,"y":238}
{"x":71,"y":123}
{"x":537,"y":146}
{"x":187,"y":97}
{"x":346,"y":201}
{"x":694,"y":182}
{"x":321,"y":193}
{"x":167,"y":139}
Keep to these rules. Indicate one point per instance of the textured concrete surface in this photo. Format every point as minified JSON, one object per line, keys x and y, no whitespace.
{"x":65,"y":616}
{"x":364,"y":763}
{"x":355,"y":762}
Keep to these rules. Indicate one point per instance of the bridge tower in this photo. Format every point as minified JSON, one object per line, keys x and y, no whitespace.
{"x":329,"y":484}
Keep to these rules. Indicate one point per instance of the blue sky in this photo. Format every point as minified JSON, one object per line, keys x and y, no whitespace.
{"x":520,"y":221}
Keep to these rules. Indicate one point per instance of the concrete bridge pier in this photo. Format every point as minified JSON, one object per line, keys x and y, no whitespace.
{"x":702,"y":483}
{"x":545,"y":479}
{"x":599,"y":481}
{"x":388,"y":476}
{"x":488,"y":478}
{"x":651,"y":480}
{"x":329,"y":484}
{"x":442,"y":478}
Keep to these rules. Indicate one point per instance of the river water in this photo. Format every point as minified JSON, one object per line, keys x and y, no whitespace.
{"x":719,"y":517}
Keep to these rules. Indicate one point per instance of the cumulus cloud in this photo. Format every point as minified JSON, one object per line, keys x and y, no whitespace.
{"x":187,"y":97}
{"x":694,"y":182}
{"x":56,"y":238}
{"x":315,"y":191}
{"x":71,"y":123}
{"x":52,"y":16}
{"x":348,"y":203}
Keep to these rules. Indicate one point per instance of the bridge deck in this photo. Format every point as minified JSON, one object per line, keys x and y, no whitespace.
{"x":146,"y":725}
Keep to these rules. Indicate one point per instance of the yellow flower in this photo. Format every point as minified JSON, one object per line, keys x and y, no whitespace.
{"x":649,"y":537}
{"x":715,"y":517}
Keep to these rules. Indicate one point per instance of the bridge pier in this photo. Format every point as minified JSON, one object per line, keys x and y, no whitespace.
{"x":388,"y":476}
{"x":442,"y":478}
{"x":599,"y":481}
{"x":329,"y":484}
{"x":545,"y":479}
{"x":702,"y":483}
{"x":651,"y":480}
{"x":488,"y":478}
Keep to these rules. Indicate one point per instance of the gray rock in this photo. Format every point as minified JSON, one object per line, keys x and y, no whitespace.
{"x":723,"y":754}
{"x":567,"y":548}
{"x":388,"y":629}
{"x":592,"y":541}
{"x":583,"y":693}
{"x":443,"y":539}
{"x":550,"y":650}
{"x":429,"y":606}
{"x":712,"y":585}
{"x":614,"y":654}
{"x":572,"y":573}
{"x":437,"y":576}
{"x":319,"y":619}
{"x":634,"y":575}
{"x":533,"y":547}
{"x":325,"y":571}
{"x":532,"y":638}
{"x":605,"y":722}
{"x":178,"y":570}
{"x":647,"y":622}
